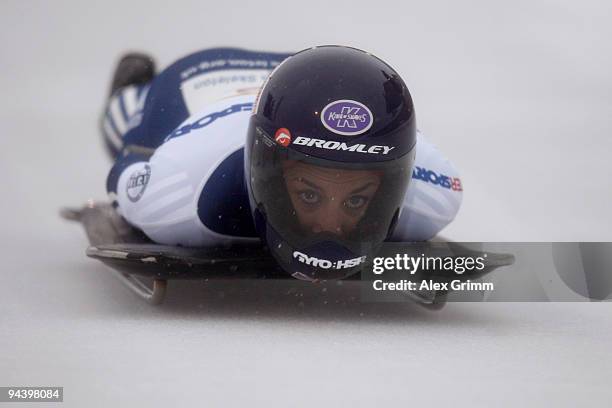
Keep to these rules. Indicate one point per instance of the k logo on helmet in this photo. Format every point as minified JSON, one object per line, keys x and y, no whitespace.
{"x":347,"y":117}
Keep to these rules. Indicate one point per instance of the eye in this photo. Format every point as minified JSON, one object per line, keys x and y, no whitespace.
{"x":355,"y":202}
{"x":309,"y":197}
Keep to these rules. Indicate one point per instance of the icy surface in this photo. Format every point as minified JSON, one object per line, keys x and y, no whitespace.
{"x":517,"y":94}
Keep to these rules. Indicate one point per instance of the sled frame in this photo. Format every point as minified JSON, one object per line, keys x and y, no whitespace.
{"x":153,"y":294}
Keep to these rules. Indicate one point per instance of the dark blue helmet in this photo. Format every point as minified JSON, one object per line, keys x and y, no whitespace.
{"x":329,"y":155}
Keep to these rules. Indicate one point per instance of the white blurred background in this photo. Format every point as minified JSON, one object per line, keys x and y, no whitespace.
{"x":517,"y":94}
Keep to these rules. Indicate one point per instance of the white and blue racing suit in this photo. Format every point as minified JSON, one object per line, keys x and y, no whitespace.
{"x":179,"y":148}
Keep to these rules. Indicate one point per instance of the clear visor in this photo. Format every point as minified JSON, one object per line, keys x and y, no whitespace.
{"x":308,"y":200}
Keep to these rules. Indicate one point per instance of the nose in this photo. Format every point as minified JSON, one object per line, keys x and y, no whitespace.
{"x":329,"y":221}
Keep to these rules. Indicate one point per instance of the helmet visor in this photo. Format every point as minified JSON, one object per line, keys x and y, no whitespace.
{"x":308,"y":200}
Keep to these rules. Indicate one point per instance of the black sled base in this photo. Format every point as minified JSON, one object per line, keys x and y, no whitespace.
{"x":132,"y":257}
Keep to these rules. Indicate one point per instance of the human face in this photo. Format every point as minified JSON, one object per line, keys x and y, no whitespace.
{"x":329,"y":200}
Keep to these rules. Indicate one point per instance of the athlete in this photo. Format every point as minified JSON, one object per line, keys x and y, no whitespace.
{"x":315,"y":153}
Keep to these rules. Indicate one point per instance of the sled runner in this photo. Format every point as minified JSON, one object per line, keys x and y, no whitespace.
{"x":132,"y":257}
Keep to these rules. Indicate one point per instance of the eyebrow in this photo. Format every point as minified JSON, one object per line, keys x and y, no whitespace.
{"x":309,"y":183}
{"x":316,"y":187}
{"x":360,"y":189}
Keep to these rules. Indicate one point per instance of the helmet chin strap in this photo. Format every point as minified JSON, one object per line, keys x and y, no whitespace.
{"x":323,"y":258}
